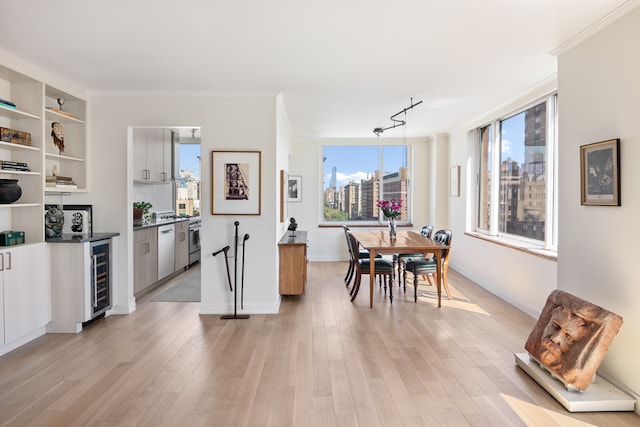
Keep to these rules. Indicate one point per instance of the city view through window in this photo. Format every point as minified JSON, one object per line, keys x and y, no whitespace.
{"x":351,"y":186}
{"x":187,"y":190}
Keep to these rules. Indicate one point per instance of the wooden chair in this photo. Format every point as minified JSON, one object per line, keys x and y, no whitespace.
{"x":361,"y":255}
{"x":383,"y":268}
{"x":421,"y":266}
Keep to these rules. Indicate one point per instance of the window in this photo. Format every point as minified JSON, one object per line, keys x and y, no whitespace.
{"x":355,"y":178}
{"x":516,"y":183}
{"x":187,"y":183}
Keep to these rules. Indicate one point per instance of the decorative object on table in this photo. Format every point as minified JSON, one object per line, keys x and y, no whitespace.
{"x":295,"y":189}
{"x":292,"y":226}
{"x":141,"y":212}
{"x":454,"y":181}
{"x":78,"y":219}
{"x":57,"y":132}
{"x":10,"y":191}
{"x":236,"y":180}
{"x":53,"y":222}
{"x":15,"y":136}
{"x":391,"y":210}
{"x":600,"y":173}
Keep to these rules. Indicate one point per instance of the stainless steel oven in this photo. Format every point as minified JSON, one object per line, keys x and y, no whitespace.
{"x":194,"y":239}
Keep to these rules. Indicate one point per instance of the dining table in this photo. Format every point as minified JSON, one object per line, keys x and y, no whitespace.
{"x":405,"y":242}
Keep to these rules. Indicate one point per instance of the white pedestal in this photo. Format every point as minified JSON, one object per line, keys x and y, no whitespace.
{"x":600,"y":396}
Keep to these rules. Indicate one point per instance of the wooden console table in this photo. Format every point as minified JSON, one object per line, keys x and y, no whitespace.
{"x":293,"y":263}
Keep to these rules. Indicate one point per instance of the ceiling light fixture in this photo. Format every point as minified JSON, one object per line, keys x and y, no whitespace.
{"x":397,"y":122}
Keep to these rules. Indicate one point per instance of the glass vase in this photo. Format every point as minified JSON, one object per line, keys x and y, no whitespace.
{"x":392,"y":228}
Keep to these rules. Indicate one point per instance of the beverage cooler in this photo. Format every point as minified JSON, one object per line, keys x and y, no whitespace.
{"x":81,"y":281}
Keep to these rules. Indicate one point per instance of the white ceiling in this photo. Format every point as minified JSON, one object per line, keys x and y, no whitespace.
{"x":342,"y":66}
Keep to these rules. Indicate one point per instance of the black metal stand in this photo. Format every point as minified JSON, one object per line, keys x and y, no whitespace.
{"x":235,"y":314}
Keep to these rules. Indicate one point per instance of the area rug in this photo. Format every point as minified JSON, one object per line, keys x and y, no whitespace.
{"x":187,"y":290}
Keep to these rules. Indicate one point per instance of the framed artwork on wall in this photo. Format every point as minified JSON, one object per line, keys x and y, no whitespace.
{"x":295,"y":188}
{"x":284,"y":194}
{"x":235,"y":182}
{"x":600,"y":173}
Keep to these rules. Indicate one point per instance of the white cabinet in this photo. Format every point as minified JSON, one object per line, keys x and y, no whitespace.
{"x":145,"y":258}
{"x":27,"y":291}
{"x":152,"y":155}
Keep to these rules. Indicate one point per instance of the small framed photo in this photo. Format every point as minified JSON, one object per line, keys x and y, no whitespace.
{"x":295,"y":188}
{"x":454,"y":181}
{"x":236,"y":178}
{"x":600,"y":173}
{"x":77,"y":218}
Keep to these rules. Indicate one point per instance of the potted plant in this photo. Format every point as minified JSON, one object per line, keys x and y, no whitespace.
{"x":141,"y":210}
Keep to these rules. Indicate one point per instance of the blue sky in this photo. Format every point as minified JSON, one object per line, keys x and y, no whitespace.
{"x":354,"y":163}
{"x":189,"y":158}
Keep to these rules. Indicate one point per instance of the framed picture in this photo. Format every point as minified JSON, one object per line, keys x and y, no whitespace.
{"x":77,"y":218}
{"x":284,"y":194}
{"x":235,"y":179}
{"x":454,"y":181}
{"x":600,"y":173}
{"x":295,"y":189}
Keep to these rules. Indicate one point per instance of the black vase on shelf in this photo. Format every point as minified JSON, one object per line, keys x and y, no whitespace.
{"x":10,"y":191}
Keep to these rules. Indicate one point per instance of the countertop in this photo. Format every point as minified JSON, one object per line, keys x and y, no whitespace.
{"x":81,"y":238}
{"x":156,"y":224}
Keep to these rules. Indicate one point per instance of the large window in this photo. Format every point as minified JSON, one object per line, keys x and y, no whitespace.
{"x":187,"y":183}
{"x":516,"y":183}
{"x":355,"y":178}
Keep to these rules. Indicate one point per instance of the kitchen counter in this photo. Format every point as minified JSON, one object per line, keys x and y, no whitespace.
{"x":81,"y":238}
{"x":157,"y":223}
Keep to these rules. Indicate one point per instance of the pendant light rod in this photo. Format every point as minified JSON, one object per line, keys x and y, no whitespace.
{"x":397,"y":122}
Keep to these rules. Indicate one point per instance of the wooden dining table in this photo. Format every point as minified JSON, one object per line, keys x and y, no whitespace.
{"x":406,"y":242}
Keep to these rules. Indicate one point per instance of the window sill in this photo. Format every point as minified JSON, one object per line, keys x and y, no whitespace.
{"x":519,"y":246}
{"x":356,"y":225}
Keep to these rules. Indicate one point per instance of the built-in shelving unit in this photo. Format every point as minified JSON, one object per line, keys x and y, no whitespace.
{"x":36,"y":103}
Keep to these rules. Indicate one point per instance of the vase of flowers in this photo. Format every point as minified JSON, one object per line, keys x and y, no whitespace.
{"x":391,"y":209}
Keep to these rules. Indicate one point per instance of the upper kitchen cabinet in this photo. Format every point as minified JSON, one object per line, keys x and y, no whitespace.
{"x":66,"y":156}
{"x":21,"y":139}
{"x":152,"y":155}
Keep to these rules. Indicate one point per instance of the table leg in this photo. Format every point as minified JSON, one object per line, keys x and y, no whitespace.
{"x":438,"y":255}
{"x":372,"y":275}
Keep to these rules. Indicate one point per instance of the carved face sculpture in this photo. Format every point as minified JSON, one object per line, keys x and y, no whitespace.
{"x":563,"y":331}
{"x":57,"y":130}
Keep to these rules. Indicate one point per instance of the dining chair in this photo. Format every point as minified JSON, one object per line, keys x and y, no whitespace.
{"x":383,"y":268}
{"x":421,"y":266}
{"x":362,"y":254}
{"x":399,"y":259}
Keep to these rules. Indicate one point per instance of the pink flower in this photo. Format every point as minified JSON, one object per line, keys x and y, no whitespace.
{"x":390,"y":208}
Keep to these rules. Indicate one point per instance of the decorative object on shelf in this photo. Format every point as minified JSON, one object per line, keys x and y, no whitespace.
{"x":15,"y":136}
{"x":60,"y":102}
{"x":77,"y":219}
{"x":55,"y":171}
{"x":600,"y":173}
{"x":236,"y":179}
{"x":11,"y":238}
{"x":391,"y":209}
{"x":141,"y":212}
{"x":53,"y":222}
{"x":57,"y":132}
{"x":10,"y":191}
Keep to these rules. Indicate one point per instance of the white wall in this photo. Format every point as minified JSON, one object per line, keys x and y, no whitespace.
{"x":599,"y":88}
{"x":227,"y":123}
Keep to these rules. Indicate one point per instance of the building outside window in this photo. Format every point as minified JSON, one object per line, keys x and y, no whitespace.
{"x":355,"y":178}
{"x":187,"y":184}
{"x":516,"y":183}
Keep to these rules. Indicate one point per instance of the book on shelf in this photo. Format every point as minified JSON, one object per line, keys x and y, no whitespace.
{"x":14,"y":168}
{"x":5,"y":105}
{"x":12,"y":163}
{"x":58,"y":178}
{"x":7,"y":102}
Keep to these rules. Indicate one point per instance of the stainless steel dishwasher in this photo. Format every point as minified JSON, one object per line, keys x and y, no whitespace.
{"x":166,"y":242}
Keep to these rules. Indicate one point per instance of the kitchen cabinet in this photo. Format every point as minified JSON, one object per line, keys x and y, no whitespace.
{"x":181,"y":245}
{"x":293,"y":263}
{"x":145,"y":258}
{"x":26,"y":291}
{"x":152,"y":160}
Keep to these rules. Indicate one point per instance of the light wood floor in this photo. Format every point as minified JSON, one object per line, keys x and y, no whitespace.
{"x":322,"y":361}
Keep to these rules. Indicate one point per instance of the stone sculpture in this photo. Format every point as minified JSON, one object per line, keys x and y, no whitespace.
{"x":571,"y":338}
